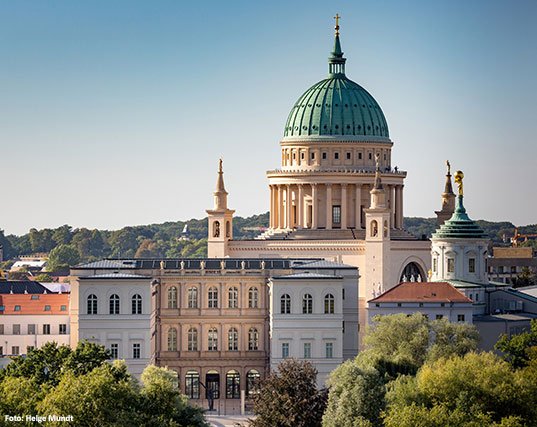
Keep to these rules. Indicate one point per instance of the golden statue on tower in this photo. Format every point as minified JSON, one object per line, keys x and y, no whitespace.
{"x":458,"y":180}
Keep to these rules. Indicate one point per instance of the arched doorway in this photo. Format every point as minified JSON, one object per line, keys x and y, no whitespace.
{"x":412,"y":270}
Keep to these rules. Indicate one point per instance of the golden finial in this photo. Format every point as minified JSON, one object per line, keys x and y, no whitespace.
{"x":337,"y":17}
{"x":458,"y":180}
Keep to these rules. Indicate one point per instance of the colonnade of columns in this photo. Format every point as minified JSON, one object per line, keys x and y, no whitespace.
{"x":300,"y":205}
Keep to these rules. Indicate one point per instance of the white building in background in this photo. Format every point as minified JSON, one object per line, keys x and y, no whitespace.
{"x":30,"y":316}
{"x":436,"y":300}
{"x":114,"y":310}
{"x":314,"y":316}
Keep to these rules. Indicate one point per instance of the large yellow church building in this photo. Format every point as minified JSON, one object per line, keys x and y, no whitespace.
{"x":336,"y":194}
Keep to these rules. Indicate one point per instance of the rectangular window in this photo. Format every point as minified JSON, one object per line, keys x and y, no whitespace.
{"x":329,"y":350}
{"x":460,"y":317}
{"x":500,"y":269}
{"x":29,"y":348}
{"x":307,"y":350}
{"x":15,"y":350}
{"x":1,"y":351}
{"x":359,"y":156}
{"x":451,"y":265}
{"x":46,"y":329}
{"x":513,"y":269}
{"x":336,"y":214}
{"x":435,"y":262}
{"x":31,"y":329}
{"x":336,"y":156}
{"x":63,"y":308}
{"x":16,"y":329}
{"x":136,"y":351}
{"x":63,"y":329}
{"x":47,"y":308}
{"x":17,"y":308}
{"x":1,"y":329}
{"x":312,"y":156}
{"x":324,"y":156}
{"x":114,"y":350}
{"x":285,"y":350}
{"x":302,"y":155}
{"x":348,"y":156}
{"x":192,"y":385}
{"x":471,"y":265}
{"x":35,"y":297}
{"x":370,"y":156}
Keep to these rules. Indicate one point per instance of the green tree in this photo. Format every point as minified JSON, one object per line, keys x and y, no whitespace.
{"x":517,"y":349}
{"x":43,"y":277}
{"x":62,"y":256}
{"x":290,"y":397}
{"x":62,"y":235}
{"x":19,"y":396}
{"x":356,"y":397}
{"x":474,"y":390}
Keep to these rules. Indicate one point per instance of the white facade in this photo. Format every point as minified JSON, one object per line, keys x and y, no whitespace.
{"x":454,"y":312}
{"x":314,"y":317}
{"x":114,"y":310}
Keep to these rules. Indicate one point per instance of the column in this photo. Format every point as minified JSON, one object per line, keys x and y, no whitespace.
{"x":314,"y":212}
{"x":271,"y":221}
{"x":343,"y":206}
{"x":392,"y":206}
{"x":398,"y":207}
{"x":280,"y":207}
{"x":288,"y":206}
{"x":401,"y":205}
{"x":328,"y":206}
{"x":300,"y":207}
{"x":358,"y":207}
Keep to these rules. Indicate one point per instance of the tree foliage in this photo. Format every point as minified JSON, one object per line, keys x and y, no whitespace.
{"x":518,"y":349}
{"x":290,"y":398}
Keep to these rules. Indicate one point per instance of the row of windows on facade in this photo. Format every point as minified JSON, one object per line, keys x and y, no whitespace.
{"x":502,"y":270}
{"x":33,"y":330}
{"x":212,"y":339}
{"x":114,"y":304}
{"x":45,"y":308}
{"x":460,"y":317}
{"x":451,"y":265}
{"x":212,"y":384}
{"x":324,"y":155}
{"x":212,"y":297}
{"x":136,"y":351}
{"x":328,"y":350}
{"x":307,"y":304}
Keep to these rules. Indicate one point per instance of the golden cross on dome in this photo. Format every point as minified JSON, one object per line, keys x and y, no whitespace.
{"x":337,"y":17}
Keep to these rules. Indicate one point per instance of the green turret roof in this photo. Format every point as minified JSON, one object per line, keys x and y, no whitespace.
{"x":337,"y":106}
{"x":459,"y":225}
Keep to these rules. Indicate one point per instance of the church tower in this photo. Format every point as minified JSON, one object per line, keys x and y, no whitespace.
{"x":448,"y":200}
{"x":459,"y":246}
{"x":220,"y":220}
{"x":377,"y":240}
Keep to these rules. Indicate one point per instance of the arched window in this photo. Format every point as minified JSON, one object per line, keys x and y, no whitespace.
{"x":212,"y":299}
{"x":192,"y":385}
{"x":233,"y":297}
{"x":233,"y":339}
{"x":385,"y":228}
{"x":228,"y":229}
{"x":172,"y":339}
{"x":192,"y":339}
{"x":92,"y":304}
{"x":216,"y":229}
{"x":212,"y":338}
{"x":192,"y":297}
{"x":114,"y":304}
{"x":253,"y":339}
{"x":374,"y":228}
{"x":172,"y":297}
{"x":233,"y":382}
{"x":412,"y":269}
{"x":136,"y":304}
{"x":285,"y":304}
{"x":253,"y":298}
{"x":252,"y":382}
{"x":329,"y":304}
{"x":307,"y":304}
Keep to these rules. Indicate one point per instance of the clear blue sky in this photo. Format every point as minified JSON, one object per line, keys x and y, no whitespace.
{"x":115,"y":113}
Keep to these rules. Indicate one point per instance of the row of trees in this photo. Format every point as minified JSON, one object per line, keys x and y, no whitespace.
{"x":413,"y":373}
{"x":55,"y":380}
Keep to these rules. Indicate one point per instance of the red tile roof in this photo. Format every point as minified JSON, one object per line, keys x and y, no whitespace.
{"x":422,"y":292}
{"x":34,"y":306}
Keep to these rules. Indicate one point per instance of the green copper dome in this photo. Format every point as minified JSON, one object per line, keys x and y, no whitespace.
{"x":337,"y":106}
{"x":459,"y":225}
